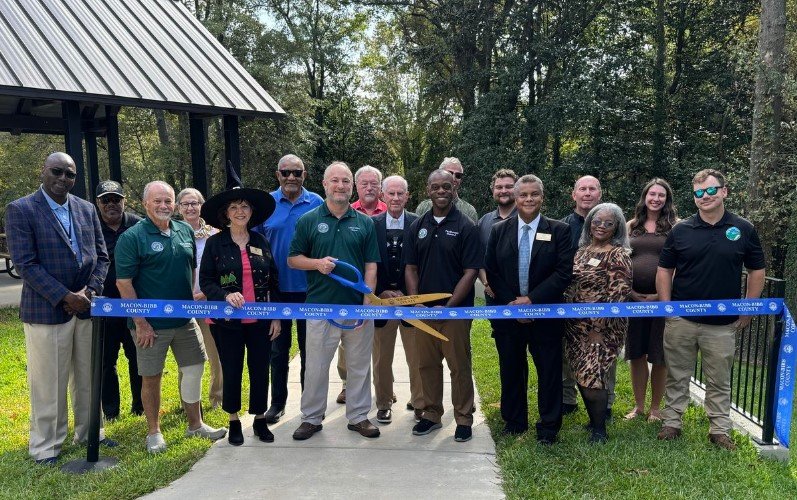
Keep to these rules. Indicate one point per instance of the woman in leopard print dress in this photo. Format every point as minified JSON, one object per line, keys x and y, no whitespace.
{"x":601,"y":273}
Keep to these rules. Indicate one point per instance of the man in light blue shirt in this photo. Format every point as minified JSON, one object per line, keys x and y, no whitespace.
{"x":292,"y":201}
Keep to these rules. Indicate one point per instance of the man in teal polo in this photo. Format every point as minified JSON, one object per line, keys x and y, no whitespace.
{"x":323,"y":235}
{"x":155,"y":259}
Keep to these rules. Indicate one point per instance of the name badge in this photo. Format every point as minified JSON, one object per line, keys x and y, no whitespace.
{"x":593,"y":262}
{"x":543,"y":237}
{"x":256,"y":251}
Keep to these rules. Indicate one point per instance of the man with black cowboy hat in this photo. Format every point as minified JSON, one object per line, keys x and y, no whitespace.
{"x":114,"y":221}
{"x":155,"y":259}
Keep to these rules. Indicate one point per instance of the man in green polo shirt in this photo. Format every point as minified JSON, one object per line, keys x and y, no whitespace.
{"x":155,"y":259}
{"x":323,"y":235}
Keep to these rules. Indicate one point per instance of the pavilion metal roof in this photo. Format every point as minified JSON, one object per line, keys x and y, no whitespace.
{"x":146,"y":53}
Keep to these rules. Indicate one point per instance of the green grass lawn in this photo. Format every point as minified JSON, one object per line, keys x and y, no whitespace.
{"x":137,"y":473}
{"x":633,"y":464}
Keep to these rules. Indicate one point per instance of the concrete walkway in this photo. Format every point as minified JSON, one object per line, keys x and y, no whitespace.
{"x":338,"y":463}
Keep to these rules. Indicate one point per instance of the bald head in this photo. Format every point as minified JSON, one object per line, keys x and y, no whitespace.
{"x":58,"y":176}
{"x":58,"y":159}
{"x":586,"y":194}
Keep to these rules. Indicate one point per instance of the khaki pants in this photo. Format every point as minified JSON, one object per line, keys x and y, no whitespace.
{"x":456,"y":352}
{"x":322,"y":341}
{"x":58,"y":356}
{"x":717,"y":344}
{"x":384,"y":349}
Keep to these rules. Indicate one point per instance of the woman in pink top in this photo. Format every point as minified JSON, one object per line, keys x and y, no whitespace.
{"x":238,"y":267}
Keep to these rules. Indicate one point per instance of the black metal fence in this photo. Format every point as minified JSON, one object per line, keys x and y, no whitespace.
{"x":755,"y":364}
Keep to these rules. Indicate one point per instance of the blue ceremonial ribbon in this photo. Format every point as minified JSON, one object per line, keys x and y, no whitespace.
{"x":784,"y":397}
{"x":151,"y":308}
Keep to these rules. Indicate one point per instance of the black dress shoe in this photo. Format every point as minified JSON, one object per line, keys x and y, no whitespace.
{"x":235,"y":436}
{"x":365,"y":428}
{"x":274,"y":414}
{"x":509,"y":430}
{"x":109,"y":443}
{"x":306,"y":431}
{"x":546,"y":440}
{"x":260,"y":428}
{"x":384,"y":416}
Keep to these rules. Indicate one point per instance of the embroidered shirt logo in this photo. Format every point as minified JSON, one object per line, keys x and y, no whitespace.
{"x":157,"y":246}
{"x":323,"y":227}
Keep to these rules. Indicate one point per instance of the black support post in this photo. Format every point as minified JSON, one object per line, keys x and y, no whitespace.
{"x":198,"y":166}
{"x":74,"y":144}
{"x":112,"y":136}
{"x":232,"y":148}
{"x":93,"y":163}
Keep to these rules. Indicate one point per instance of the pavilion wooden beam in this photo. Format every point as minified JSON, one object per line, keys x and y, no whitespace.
{"x":112,"y":136}
{"x":73,"y":140}
{"x":93,"y":163}
{"x":198,"y":147}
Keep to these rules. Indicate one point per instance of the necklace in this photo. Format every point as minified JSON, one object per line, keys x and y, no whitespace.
{"x":203,"y":231}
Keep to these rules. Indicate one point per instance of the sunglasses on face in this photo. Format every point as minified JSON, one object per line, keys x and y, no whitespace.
{"x":711,"y":191}
{"x":608,"y":224}
{"x":457,"y":175}
{"x":58,"y":172}
{"x":287,"y":173}
{"x":105,"y":200}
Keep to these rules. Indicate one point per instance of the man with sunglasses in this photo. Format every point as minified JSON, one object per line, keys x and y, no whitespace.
{"x":453,"y":166}
{"x":702,"y":260}
{"x":56,"y":243}
{"x":292,"y":201}
{"x":114,"y":221}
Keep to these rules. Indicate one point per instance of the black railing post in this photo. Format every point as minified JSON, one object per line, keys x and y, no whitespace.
{"x":93,"y":461}
{"x":768,"y":431}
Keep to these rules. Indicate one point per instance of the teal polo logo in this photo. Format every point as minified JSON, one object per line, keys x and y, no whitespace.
{"x":156,"y":246}
{"x":422,"y":233}
{"x":323,"y":227}
{"x":733,"y":233}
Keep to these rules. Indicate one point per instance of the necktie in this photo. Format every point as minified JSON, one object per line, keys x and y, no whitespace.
{"x":524,"y":257}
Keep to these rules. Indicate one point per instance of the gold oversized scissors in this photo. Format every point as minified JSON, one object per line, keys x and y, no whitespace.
{"x":404,"y":300}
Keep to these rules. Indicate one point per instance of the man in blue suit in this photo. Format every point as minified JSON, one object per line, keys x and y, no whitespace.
{"x":56,"y":244}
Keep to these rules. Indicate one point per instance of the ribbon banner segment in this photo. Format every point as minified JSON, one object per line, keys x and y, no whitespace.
{"x":148,"y":308}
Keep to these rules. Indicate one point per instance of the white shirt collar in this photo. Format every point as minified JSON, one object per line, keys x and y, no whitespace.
{"x":393,"y":223}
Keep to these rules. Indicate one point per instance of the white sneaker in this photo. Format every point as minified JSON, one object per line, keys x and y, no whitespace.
{"x":207,"y":431}
{"x":156,"y":443}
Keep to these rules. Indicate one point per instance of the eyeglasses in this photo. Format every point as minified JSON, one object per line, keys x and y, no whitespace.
{"x":111,"y":199}
{"x":191,"y":204}
{"x":58,"y":172}
{"x":608,"y":224}
{"x":457,"y":175}
{"x":711,"y":191}
{"x":287,"y":173}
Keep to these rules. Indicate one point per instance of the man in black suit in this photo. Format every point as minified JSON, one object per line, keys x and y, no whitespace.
{"x":529,"y":260}
{"x":392,"y":228}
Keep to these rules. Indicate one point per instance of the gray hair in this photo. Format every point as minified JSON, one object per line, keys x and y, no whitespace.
{"x":449,"y":160}
{"x":368,"y":169}
{"x":289,"y":158}
{"x":188,"y":191}
{"x":395,"y":178}
{"x":528,"y":179}
{"x":620,"y":238}
{"x":152,"y":184}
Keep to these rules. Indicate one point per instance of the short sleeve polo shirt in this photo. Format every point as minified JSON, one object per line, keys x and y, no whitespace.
{"x":351,"y":238}
{"x":708,"y":260}
{"x":161,"y":267}
{"x":443,"y":251}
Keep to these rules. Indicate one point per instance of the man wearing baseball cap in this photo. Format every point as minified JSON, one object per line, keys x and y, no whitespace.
{"x":115,"y":221}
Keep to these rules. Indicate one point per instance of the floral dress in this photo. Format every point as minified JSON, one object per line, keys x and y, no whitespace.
{"x":597,"y":277}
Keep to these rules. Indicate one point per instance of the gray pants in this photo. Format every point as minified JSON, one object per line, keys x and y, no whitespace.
{"x":569,"y":390}
{"x":322,"y":342}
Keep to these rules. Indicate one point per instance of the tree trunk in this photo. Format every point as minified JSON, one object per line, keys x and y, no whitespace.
{"x":765,"y":173}
{"x":660,"y":92}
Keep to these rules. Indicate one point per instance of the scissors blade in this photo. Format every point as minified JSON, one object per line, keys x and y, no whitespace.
{"x":420,"y":325}
{"x":408,"y":300}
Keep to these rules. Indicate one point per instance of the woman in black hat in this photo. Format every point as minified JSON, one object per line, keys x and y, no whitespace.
{"x":238,"y":267}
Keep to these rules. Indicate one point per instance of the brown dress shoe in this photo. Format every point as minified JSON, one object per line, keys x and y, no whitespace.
{"x":306,"y":431}
{"x":384,"y":416}
{"x":669,"y":433}
{"x":342,"y":397}
{"x":722,"y":441}
{"x":365,"y":428}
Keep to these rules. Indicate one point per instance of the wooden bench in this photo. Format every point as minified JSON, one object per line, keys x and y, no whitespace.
{"x":7,"y":256}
